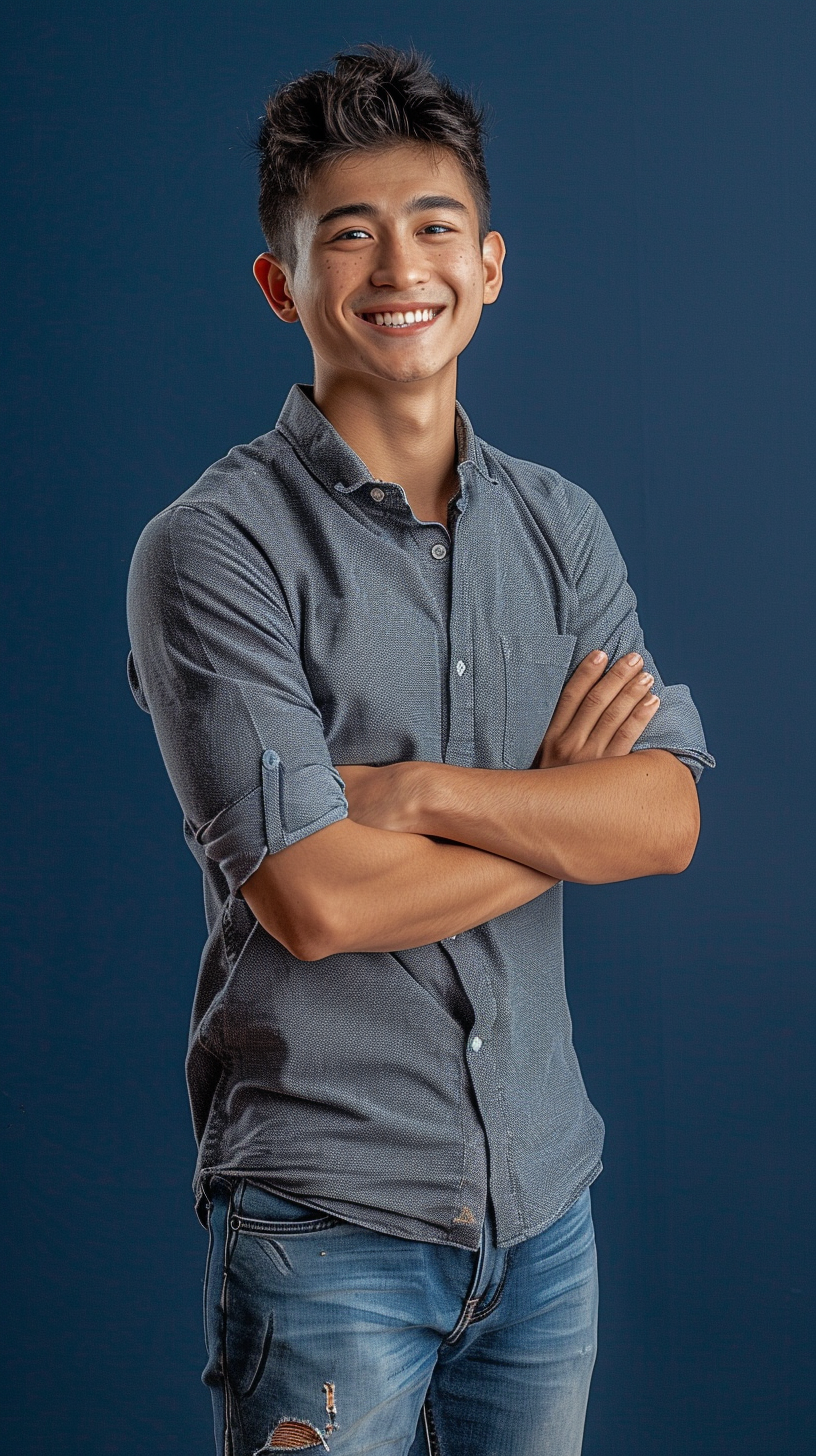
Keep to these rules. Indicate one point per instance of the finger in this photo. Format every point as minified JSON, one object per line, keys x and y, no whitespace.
{"x":601,"y":695}
{"x":618,"y":710}
{"x":630,"y":730}
{"x":575,"y":689}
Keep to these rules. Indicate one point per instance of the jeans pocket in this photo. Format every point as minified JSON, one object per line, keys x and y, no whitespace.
{"x":270,"y":1215}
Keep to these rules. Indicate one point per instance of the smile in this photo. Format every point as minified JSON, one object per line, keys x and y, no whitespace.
{"x":407,"y":319}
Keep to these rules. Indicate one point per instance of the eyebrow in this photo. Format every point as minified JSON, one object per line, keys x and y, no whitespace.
{"x":416,"y":204}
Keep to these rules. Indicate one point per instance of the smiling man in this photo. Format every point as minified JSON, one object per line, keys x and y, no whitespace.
{"x":402,"y":693}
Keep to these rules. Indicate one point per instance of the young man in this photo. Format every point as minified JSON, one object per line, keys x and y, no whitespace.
{"x":402,"y":694}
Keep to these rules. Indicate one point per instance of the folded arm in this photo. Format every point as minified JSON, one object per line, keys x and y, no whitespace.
{"x":350,"y":887}
{"x":615,"y":819}
{"x":589,"y":810}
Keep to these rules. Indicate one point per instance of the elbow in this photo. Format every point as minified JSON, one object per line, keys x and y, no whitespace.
{"x":312,"y":935}
{"x":679,"y":860}
{"x":684,"y":836}
{"x":307,"y":928}
{"x":309,"y":943}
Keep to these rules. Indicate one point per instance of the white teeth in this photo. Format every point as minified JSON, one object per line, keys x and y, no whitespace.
{"x":403,"y":320}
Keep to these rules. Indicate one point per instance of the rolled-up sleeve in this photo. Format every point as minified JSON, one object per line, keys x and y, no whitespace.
{"x":605,"y":616}
{"x":214,"y":659}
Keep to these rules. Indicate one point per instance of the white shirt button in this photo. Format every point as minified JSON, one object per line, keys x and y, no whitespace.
{"x":439,"y":552}
{"x":377,"y":494}
{"x":476,"y":1044}
{"x":460,"y":668}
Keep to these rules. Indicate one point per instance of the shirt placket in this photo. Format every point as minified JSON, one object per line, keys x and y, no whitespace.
{"x":432,"y":546}
{"x":484,"y":1056}
{"x":460,"y":745}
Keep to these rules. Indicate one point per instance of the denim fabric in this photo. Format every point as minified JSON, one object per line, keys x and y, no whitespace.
{"x":288,"y":613}
{"x":324,"y":1335}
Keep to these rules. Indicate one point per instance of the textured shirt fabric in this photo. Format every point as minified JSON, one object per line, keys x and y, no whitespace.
{"x":288,"y":613}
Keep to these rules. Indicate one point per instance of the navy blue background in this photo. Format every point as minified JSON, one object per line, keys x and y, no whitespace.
{"x":653,"y":168}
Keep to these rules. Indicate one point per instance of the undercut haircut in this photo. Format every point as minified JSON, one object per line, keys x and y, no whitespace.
{"x":375,"y":97}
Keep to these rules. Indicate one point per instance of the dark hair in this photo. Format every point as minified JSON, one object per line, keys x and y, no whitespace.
{"x":371,"y":99}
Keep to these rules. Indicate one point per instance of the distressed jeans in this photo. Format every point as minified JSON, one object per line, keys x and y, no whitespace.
{"x":322,"y":1335}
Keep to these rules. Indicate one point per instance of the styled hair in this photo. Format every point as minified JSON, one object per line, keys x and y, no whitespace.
{"x":373,"y":98}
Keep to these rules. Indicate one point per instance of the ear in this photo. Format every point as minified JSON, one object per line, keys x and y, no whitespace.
{"x":493,"y":255}
{"x":274,"y":285}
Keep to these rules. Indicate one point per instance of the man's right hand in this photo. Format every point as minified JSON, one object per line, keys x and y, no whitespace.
{"x":599,"y":714}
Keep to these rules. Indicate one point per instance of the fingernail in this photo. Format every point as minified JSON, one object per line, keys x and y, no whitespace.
{"x":598,"y":657}
{"x":652,"y":700}
{"x":634,"y":659}
{"x":645,"y":678}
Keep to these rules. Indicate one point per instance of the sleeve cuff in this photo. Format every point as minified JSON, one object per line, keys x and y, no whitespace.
{"x":298,"y":802}
{"x":287,"y":805}
{"x":676,"y":727}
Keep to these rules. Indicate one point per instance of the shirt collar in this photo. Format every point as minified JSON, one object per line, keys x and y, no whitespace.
{"x":327,"y":456}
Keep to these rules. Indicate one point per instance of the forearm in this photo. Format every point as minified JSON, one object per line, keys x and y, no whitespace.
{"x":612,"y":819}
{"x":354,"y":888}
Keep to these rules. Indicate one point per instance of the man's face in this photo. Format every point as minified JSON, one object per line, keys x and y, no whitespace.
{"x":390,"y":278}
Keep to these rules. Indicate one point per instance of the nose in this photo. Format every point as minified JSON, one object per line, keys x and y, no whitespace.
{"x":399,"y":264}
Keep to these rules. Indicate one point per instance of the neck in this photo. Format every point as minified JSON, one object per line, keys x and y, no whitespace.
{"x":405,"y":433}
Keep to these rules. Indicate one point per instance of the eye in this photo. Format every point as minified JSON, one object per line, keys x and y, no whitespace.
{"x":437,"y":227}
{"x":351,"y":233}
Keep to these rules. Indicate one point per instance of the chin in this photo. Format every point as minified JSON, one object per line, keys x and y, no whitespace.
{"x":411,"y":371}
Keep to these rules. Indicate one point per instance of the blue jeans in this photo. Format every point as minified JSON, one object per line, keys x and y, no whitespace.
{"x":322,"y":1335}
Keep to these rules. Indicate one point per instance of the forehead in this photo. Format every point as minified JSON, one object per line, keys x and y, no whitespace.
{"x":387,"y":178}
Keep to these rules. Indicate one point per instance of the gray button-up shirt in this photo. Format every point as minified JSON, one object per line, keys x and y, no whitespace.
{"x":289,"y":613}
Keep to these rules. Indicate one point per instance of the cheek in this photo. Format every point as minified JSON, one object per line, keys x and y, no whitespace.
{"x":339,"y":282}
{"x":469,"y":284}
{"x":318,"y":311}
{"x":323,"y":291}
{"x":340,"y":271}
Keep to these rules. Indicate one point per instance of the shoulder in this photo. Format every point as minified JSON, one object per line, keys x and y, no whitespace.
{"x":237,"y":500}
{"x":244,"y":483}
{"x":564,"y":510}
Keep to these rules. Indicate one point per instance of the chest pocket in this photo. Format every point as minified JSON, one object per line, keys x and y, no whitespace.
{"x":534,"y":674}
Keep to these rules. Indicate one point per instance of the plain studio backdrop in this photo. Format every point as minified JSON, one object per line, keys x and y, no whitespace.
{"x":653,"y":174}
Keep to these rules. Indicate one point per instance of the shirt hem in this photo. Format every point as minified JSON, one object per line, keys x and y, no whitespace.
{"x":254,"y":1175}
{"x":565,"y":1208}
